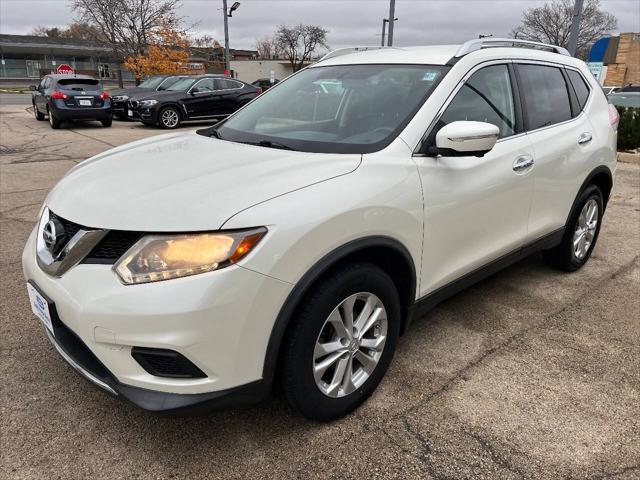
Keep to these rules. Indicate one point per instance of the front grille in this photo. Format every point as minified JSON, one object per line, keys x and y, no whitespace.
{"x":70,"y":228}
{"x":109,"y":249}
{"x":112,"y":247}
{"x":165,"y":363}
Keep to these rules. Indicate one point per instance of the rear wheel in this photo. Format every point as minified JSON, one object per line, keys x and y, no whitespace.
{"x":341,"y":342}
{"x":581,"y":232}
{"x":106,"y":122}
{"x":169,"y":117}
{"x":53,"y":121}
{"x":39,"y":115}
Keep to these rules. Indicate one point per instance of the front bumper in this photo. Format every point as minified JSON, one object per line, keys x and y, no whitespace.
{"x":221,"y":321}
{"x":147,"y":115}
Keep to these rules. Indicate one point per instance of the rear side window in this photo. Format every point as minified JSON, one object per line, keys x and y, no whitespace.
{"x":579,"y":86}
{"x":485,"y":97}
{"x":546,"y":97}
{"x":78,"y":84}
{"x":225,"y":84}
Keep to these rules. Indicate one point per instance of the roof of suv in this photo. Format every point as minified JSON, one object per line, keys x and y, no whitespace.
{"x":444,"y":54}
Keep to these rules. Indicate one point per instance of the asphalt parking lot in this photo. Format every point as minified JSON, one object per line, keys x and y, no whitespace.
{"x":530,"y":374}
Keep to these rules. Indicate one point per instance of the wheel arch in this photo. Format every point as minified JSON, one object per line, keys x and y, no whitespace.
{"x":178,"y":106}
{"x":602,"y":178}
{"x":385,"y":252}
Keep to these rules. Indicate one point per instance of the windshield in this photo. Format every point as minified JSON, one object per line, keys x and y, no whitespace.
{"x":622,"y":100}
{"x":168,"y":82}
{"x":181,"y":85}
{"x":79,"y":84}
{"x":341,"y":109}
{"x":151,"y":82}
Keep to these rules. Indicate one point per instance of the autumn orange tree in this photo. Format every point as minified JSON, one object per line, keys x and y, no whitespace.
{"x":168,"y":52}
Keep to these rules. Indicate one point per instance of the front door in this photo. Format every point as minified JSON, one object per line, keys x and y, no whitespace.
{"x":476,"y":209}
{"x":202,"y":100}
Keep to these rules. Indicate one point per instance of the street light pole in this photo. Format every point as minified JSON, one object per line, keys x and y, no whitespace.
{"x":384,"y":29}
{"x":392,"y":16}
{"x":226,"y":35}
{"x":575,"y":27}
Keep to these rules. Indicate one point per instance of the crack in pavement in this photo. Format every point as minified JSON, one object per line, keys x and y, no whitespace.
{"x":425,"y":445}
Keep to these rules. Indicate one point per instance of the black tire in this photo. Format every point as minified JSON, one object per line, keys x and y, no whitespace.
{"x":53,"y":120}
{"x":106,"y":122}
{"x":564,"y":256}
{"x":297,"y":354}
{"x":122,"y":117}
{"x":39,"y":115}
{"x":162,"y":118}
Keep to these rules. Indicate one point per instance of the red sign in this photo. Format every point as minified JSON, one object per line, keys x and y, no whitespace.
{"x":65,"y":69}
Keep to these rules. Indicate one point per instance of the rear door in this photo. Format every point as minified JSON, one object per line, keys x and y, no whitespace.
{"x":231,"y":92}
{"x":476,"y":208}
{"x":562,"y":139}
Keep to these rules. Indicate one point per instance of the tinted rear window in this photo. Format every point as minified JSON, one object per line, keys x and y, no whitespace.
{"x":545,"y":95}
{"x":579,"y":86}
{"x":79,"y":84}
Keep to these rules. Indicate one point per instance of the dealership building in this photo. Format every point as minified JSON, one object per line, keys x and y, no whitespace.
{"x":26,"y":58}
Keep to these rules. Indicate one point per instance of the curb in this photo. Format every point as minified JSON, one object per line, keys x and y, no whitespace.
{"x":628,"y":157}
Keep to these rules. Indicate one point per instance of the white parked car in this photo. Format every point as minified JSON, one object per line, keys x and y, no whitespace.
{"x":294,"y":241}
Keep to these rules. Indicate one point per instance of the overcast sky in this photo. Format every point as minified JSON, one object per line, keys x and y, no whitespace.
{"x":350,"y":22}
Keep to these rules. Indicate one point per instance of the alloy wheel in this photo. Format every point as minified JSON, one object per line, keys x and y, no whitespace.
{"x":350,"y":344}
{"x":170,"y":118}
{"x":585,"y":229}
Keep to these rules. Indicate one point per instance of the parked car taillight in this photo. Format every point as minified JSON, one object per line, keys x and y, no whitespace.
{"x":56,"y":95}
{"x":105,"y":96}
{"x":614,"y":116}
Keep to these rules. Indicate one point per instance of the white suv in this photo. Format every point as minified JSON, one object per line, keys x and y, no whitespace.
{"x":294,"y":241}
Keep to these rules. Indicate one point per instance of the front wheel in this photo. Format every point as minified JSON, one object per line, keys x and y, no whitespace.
{"x":341,"y":342}
{"x":581,"y":232}
{"x":169,"y":118}
{"x":106,"y":122}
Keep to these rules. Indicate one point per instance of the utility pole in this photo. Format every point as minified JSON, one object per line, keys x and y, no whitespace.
{"x":575,"y":27}
{"x":392,"y":17}
{"x":226,"y":36}
{"x":384,"y":29}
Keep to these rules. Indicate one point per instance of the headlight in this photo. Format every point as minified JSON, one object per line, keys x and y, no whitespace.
{"x":147,"y":103}
{"x":162,"y":257}
{"x":120,"y":98}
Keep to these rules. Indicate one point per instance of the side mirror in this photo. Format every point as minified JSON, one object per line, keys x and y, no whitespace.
{"x":465,"y":138}
{"x":194,"y":91}
{"x":33,"y":88}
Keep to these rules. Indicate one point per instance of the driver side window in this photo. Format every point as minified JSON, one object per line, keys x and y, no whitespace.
{"x":485,"y":97}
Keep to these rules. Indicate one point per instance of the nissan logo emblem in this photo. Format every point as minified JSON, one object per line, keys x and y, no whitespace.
{"x":52,"y":234}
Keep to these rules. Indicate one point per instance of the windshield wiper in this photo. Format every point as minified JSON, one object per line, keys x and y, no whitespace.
{"x":213,"y":132}
{"x":271,"y":144}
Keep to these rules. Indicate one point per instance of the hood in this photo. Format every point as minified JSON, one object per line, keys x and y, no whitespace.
{"x":129,"y":91}
{"x":159,"y":95}
{"x":184,"y":182}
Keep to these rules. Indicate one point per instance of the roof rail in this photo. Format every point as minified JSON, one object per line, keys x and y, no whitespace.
{"x":478,"y":43}
{"x":345,"y":51}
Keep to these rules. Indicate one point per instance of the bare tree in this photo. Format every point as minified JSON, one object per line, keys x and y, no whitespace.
{"x":551,"y":23}
{"x":268,"y":48}
{"x":126,"y":25}
{"x":298,"y":43}
{"x":77,"y":30}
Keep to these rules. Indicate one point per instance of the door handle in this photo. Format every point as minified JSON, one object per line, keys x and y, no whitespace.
{"x":584,"y":138}
{"x":522,"y":163}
